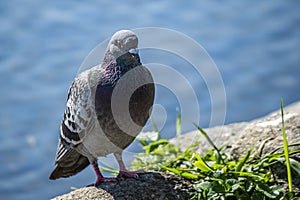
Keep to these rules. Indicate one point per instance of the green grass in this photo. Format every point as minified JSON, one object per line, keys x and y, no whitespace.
{"x":286,"y":150}
{"x":215,"y":174}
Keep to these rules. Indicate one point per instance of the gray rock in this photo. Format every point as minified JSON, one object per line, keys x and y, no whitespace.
{"x":240,"y":136}
{"x":148,"y":186}
{"x":86,"y":193}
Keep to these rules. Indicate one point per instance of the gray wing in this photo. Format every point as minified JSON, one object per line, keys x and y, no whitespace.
{"x":78,"y":116}
{"x":77,"y":122}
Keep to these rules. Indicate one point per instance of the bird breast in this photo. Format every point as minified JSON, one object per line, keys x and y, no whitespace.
{"x":122,"y":109}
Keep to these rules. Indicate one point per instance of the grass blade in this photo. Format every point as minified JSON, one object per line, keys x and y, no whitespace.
{"x":210,"y":142}
{"x":153,"y":124}
{"x":201,"y":164}
{"x":242,"y":162}
{"x":286,"y":150}
{"x":109,"y":170}
{"x":178,"y":125}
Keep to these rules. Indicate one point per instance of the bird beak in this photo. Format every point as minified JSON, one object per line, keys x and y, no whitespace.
{"x":134,"y":51}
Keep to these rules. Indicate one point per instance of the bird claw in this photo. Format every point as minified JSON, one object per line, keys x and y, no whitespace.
{"x":127,"y":174}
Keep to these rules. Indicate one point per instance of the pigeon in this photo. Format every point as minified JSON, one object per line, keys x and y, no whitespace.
{"x":107,"y":106}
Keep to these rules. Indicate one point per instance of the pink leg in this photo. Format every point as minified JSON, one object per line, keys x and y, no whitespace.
{"x":123,"y":172}
{"x":100,"y":178}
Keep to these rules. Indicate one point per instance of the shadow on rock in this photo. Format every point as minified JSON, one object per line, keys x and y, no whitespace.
{"x":149,"y":186}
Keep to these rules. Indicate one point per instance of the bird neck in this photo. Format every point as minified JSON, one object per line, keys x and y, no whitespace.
{"x":127,"y":62}
{"x":115,"y":68}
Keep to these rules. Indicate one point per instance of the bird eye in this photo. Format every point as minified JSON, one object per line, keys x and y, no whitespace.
{"x":119,"y":44}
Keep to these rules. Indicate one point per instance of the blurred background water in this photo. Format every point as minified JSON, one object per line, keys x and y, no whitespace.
{"x":254,"y":45}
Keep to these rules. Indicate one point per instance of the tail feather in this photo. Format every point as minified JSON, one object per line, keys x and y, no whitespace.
{"x":70,"y":165}
{"x":68,"y":161}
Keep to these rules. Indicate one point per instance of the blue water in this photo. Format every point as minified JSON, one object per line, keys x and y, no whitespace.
{"x":255,"y":47}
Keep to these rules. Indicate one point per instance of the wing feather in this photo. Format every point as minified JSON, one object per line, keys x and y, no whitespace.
{"x":78,"y":119}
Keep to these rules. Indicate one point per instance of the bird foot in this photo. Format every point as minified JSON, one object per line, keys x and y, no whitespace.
{"x":103,"y":179}
{"x":129,"y":174}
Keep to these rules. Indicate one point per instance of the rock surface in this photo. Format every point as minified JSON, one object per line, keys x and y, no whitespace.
{"x":240,"y":137}
{"x":148,"y":186}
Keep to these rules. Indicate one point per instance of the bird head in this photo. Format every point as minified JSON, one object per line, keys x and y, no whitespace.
{"x":123,"y":42}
